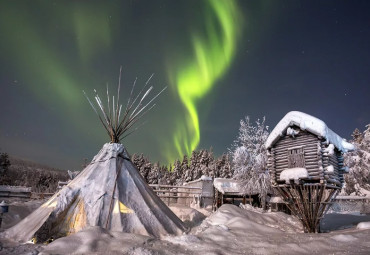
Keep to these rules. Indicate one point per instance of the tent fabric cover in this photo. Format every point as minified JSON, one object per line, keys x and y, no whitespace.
{"x":109,"y":193}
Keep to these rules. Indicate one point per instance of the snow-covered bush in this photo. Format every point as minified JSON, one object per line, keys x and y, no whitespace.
{"x":358,"y":161}
{"x":249,"y":158}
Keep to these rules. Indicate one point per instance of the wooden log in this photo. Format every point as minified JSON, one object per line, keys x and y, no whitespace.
{"x":314,"y":178}
{"x":296,"y":140}
{"x":311,"y":157}
{"x":334,"y":160}
{"x":170,"y":191}
{"x":331,"y":175}
{"x":307,"y":147}
{"x":311,"y":165}
{"x":311,"y":152}
{"x":281,"y":163}
{"x":312,"y":161}
{"x":170,"y":186}
{"x":314,"y":171}
{"x":299,"y":136}
{"x":294,"y":143}
{"x":284,"y":149}
{"x":334,"y":181}
{"x":165,"y":196}
{"x":284,"y":153}
{"x":281,"y":159}
{"x":281,"y":168}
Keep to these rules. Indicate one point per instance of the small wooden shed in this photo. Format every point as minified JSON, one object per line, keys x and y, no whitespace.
{"x":301,"y":148}
{"x":305,"y":161}
{"x":231,"y":191}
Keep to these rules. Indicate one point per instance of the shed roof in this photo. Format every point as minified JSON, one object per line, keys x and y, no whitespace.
{"x":310,"y":124}
{"x":231,"y":186}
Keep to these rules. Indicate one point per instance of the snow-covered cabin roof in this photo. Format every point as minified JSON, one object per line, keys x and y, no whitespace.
{"x":225,"y":185}
{"x":310,"y":124}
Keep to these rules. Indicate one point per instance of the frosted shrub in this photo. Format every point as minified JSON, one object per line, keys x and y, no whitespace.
{"x":249,"y":158}
{"x":359,"y":163}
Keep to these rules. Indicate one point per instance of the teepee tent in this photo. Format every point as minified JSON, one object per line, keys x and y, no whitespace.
{"x":109,"y":192}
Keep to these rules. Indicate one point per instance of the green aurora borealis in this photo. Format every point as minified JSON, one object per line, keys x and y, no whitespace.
{"x":40,"y":59}
{"x":221,"y":60}
{"x":212,"y":55}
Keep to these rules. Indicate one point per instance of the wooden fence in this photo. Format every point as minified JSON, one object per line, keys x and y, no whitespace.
{"x":36,"y":195}
{"x":20,"y":192}
{"x":177,"y":194}
{"x":15,"y":192}
{"x":183,"y":195}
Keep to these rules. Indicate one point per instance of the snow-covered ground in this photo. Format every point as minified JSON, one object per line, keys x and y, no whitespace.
{"x":230,"y":230}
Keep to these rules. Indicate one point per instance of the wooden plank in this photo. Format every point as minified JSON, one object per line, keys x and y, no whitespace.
{"x":170,"y":186}
{"x":312,"y":165}
{"x":308,"y":147}
{"x":165,"y":196}
{"x":171,"y":191}
{"x":288,"y":139}
{"x":300,"y":140}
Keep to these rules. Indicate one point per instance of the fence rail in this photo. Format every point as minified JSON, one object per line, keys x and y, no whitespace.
{"x":341,"y":198}
{"x":170,"y":186}
{"x":170,"y":194}
{"x":15,"y":192}
{"x":38,"y":195}
{"x":178,"y":194}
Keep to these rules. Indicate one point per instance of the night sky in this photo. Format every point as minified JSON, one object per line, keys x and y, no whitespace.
{"x":221,"y":61}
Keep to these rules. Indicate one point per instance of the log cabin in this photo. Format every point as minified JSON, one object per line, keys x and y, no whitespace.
{"x":302,"y":149}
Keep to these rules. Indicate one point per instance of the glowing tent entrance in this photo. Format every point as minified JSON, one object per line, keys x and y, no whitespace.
{"x":109,"y":193}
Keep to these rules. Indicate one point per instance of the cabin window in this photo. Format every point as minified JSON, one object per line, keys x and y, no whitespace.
{"x":296,"y":157}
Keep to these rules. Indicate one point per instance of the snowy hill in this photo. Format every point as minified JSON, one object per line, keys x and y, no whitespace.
{"x":39,"y":177}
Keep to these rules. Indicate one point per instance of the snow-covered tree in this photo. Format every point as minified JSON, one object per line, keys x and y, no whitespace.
{"x":177,"y":174}
{"x":223,"y":167}
{"x":206,"y":158}
{"x":154,"y":174}
{"x":200,"y":163}
{"x":249,"y":157}
{"x":143,"y":165}
{"x":359,"y":163}
{"x":4,"y":162}
{"x":164,"y":176}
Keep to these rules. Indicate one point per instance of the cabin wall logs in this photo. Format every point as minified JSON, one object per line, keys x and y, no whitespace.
{"x":316,"y":160}
{"x":336,"y":161}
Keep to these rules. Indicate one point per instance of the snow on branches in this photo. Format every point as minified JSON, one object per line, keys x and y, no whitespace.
{"x":249,"y":157}
{"x":189,"y":169}
{"x":358,"y":179}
